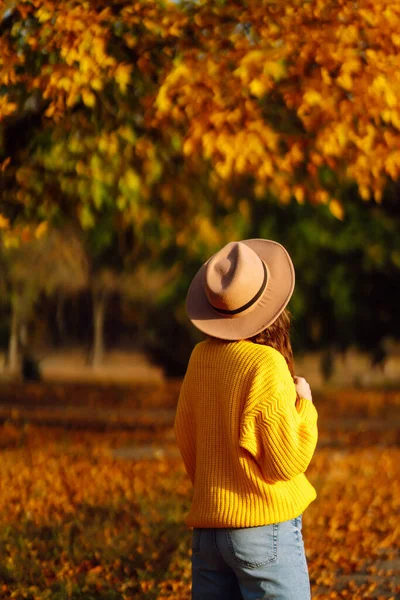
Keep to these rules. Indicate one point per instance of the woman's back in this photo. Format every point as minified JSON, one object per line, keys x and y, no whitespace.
{"x":236,"y":401}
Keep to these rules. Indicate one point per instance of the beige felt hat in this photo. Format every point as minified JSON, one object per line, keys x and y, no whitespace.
{"x":241,"y":290}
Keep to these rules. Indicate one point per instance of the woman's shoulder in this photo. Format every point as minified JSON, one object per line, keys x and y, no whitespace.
{"x":210,"y":346}
{"x":239,"y":351}
{"x":242,"y":346}
{"x":261,"y":352}
{"x":254,"y":361}
{"x":257,"y":352}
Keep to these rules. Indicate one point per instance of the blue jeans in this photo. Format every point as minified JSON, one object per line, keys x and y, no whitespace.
{"x":251,"y":563}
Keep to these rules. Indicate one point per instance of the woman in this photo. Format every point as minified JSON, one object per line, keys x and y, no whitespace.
{"x":246,"y":429}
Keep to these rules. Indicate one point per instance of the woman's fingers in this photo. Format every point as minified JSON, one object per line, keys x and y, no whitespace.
{"x":303,"y":388}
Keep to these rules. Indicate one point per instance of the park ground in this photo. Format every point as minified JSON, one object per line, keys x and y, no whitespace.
{"x":94,"y":494}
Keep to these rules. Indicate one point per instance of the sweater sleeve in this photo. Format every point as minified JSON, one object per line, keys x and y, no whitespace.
{"x":185,"y":432}
{"x":280,"y":433}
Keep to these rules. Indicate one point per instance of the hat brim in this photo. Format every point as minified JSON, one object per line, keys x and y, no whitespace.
{"x":277,"y":293}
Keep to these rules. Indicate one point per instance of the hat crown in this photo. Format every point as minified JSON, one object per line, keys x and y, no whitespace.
{"x":233,"y":278}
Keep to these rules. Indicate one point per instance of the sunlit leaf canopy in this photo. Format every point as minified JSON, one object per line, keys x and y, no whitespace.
{"x":80,"y":81}
{"x":301,"y":95}
{"x":158,"y":111}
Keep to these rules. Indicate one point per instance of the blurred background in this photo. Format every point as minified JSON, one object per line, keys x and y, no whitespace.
{"x":69,"y":313}
{"x":136,"y":139}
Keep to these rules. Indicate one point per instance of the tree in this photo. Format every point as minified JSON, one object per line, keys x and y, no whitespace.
{"x":80,"y":78}
{"x":82,"y":87}
{"x":301,"y":96}
{"x":128,"y":99}
{"x":52,"y":262}
{"x":166,"y":129}
{"x":346,"y":271}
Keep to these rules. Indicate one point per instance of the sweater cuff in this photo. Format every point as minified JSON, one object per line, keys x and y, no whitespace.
{"x":307,"y":411}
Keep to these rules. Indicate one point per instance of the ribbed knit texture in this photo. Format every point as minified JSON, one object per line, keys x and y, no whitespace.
{"x":244,"y":439}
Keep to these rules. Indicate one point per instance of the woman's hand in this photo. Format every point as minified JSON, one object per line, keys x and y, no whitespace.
{"x":302,"y":387}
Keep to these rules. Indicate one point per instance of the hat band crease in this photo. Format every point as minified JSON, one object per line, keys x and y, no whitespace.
{"x":236,"y":311}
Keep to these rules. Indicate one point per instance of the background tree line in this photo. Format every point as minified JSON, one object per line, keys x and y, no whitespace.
{"x":137,"y":139}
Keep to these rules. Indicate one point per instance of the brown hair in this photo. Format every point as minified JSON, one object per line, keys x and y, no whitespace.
{"x":277,"y":335}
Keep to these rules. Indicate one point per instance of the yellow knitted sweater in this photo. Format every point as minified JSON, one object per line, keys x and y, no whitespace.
{"x":244,"y":439}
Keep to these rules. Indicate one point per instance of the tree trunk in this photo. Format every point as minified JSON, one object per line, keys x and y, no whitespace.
{"x":99,"y":309}
{"x":13,"y":340}
{"x":60,"y":318}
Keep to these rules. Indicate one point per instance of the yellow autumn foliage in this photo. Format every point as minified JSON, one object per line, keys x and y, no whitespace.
{"x":270,"y":93}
